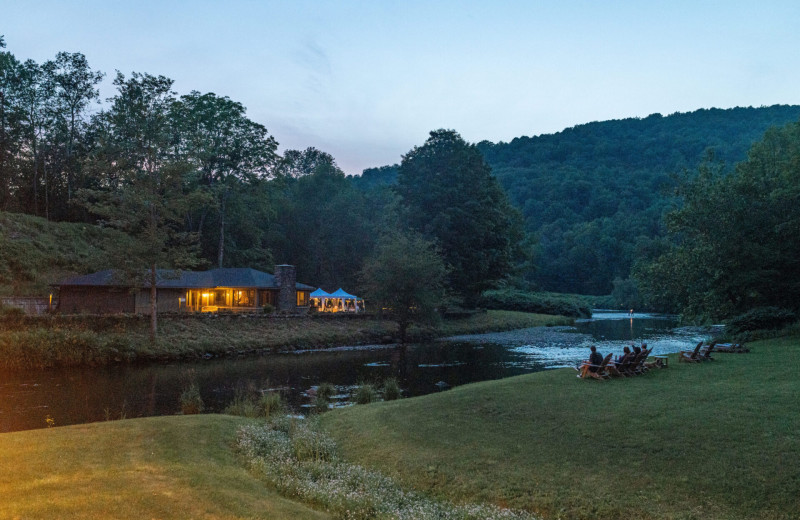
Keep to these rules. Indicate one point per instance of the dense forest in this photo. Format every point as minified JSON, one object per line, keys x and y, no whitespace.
{"x":195,"y":183}
{"x":594,"y":195}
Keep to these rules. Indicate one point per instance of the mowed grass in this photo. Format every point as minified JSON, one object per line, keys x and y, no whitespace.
{"x":165,"y":467}
{"x":718,"y":440}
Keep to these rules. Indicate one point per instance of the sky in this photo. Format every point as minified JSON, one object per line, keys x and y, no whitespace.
{"x":366,"y":81}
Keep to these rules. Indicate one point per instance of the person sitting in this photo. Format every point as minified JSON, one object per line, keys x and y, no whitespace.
{"x":637,"y":349}
{"x":616,"y":367}
{"x":592,"y":365}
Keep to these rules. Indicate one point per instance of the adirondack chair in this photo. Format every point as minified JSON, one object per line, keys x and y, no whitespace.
{"x":617,"y":369}
{"x":691,"y":356}
{"x":705,"y":354}
{"x":731,"y":348}
{"x":640,"y":367}
{"x":601,"y":369}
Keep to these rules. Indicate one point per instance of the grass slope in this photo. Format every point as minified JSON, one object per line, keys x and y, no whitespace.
{"x":164,"y":467}
{"x":714,"y":441}
{"x":35,"y":253}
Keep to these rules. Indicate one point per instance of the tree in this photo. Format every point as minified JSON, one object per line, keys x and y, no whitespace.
{"x":229,"y":151}
{"x":405,"y":275}
{"x":736,"y":238}
{"x":296,"y":164}
{"x":450,"y":196}
{"x":74,"y":86}
{"x":143,"y":189}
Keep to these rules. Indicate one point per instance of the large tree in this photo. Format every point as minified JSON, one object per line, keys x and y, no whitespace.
{"x":143,"y":190}
{"x":736,"y":238}
{"x":449,"y":195}
{"x":74,"y":86}
{"x":406,"y":276}
{"x":229,"y":151}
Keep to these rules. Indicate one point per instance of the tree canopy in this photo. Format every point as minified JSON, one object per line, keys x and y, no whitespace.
{"x":735,"y":238}
{"x":406,"y":276}
{"x":448,"y":194}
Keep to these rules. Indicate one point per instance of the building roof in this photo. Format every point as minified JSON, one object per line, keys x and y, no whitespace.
{"x":170,"y":279}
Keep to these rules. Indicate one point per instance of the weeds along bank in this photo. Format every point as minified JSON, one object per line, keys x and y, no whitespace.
{"x":28,"y":342}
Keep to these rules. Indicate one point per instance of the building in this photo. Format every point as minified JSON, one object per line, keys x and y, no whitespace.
{"x":228,"y":289}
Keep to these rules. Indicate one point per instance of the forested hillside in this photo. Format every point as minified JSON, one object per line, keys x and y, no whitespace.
{"x":594,"y":194}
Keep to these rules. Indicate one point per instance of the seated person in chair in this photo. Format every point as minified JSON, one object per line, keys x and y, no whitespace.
{"x":593,"y":364}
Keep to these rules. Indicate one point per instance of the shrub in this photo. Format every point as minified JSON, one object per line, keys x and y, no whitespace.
{"x":268,"y":308}
{"x":516,"y":300}
{"x":321,"y":404}
{"x":391,"y":389}
{"x":325,"y":391}
{"x":270,"y":403}
{"x":243,"y":405}
{"x":760,"y":318}
{"x":11,"y":312}
{"x":365,"y":394}
{"x":191,"y":400}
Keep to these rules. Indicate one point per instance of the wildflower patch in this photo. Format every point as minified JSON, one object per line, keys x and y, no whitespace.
{"x":301,"y":462}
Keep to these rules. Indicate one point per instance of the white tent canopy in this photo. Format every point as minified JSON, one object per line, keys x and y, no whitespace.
{"x":338,"y":301}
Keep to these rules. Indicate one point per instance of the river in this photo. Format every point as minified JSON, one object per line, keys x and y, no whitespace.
{"x":80,"y":395}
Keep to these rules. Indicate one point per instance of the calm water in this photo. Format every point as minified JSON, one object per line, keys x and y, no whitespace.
{"x":94,"y":394}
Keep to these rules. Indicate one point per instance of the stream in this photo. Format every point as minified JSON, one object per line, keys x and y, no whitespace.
{"x":81,"y":395}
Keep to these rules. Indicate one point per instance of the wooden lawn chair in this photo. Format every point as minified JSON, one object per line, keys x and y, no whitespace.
{"x":705,"y":354}
{"x":601,"y":369}
{"x":731,"y":348}
{"x":640,"y":367}
{"x":690,"y":356}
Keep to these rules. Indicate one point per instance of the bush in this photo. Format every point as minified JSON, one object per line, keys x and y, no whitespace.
{"x":391,"y":389}
{"x":325,"y":391}
{"x":760,"y":318}
{"x":191,"y":400}
{"x":268,"y":308}
{"x":270,"y":403}
{"x":516,"y":300}
{"x":365,"y":394}
{"x":243,"y":405}
{"x":11,"y":312}
{"x":321,"y":404}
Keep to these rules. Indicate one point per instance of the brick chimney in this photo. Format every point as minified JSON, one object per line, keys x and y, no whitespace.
{"x":286,"y":278}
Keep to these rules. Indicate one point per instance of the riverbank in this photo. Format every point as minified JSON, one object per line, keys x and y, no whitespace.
{"x":74,"y":341}
{"x":714,"y":440}
{"x":158,"y":467}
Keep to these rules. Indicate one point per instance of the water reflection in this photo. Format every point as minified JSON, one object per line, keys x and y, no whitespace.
{"x":93,"y":394}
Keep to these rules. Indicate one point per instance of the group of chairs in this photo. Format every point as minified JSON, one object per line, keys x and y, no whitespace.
{"x":635,"y":363}
{"x":630,"y":364}
{"x":703,"y":353}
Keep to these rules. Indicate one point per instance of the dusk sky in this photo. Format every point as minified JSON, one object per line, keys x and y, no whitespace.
{"x":367,"y":80}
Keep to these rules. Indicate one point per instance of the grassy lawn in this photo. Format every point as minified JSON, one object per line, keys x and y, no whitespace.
{"x":165,"y":467}
{"x":718,"y":440}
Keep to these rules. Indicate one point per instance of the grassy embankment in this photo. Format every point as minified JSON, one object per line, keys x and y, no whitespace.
{"x":162,"y":467}
{"x":716,"y":440}
{"x":95,"y":341}
{"x":35,"y":253}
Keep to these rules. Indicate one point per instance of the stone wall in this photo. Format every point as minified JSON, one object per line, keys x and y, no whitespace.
{"x":286,"y":278}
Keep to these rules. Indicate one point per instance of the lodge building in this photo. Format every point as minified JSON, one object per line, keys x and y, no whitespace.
{"x":224,"y":289}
